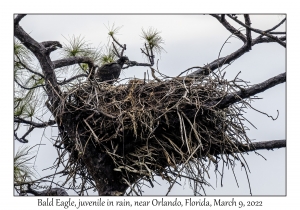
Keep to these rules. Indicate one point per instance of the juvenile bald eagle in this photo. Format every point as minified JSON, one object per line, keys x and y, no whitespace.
{"x":111,"y":71}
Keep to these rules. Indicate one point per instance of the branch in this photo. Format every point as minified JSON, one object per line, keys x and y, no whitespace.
{"x":42,"y":179}
{"x":259,"y":40}
{"x":269,"y":145}
{"x":272,"y":29}
{"x":277,"y":32}
{"x":21,"y":140}
{"x":259,"y":31}
{"x":42,"y":55}
{"x":51,"y":43}
{"x":19,"y":18}
{"x":218,"y":63}
{"x":123,"y":47}
{"x":30,"y":70}
{"x":195,"y":67}
{"x":230,"y":28}
{"x":153,"y":75}
{"x":28,"y":132}
{"x":134,"y":63}
{"x":51,"y":46}
{"x":48,"y":192}
{"x":27,"y":41}
{"x":73,"y":60}
{"x":37,"y":125}
{"x":71,"y":79}
{"x":246,"y":93}
{"x":253,"y":146}
{"x":28,"y":88}
{"x":116,"y":51}
{"x":248,"y":31}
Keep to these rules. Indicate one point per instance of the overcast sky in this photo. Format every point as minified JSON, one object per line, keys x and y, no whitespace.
{"x":190,"y":40}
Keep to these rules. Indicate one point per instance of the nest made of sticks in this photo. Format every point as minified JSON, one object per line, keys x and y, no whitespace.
{"x":165,"y":128}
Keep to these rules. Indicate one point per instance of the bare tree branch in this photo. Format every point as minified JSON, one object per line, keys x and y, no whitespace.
{"x":246,"y":93}
{"x":48,"y":192}
{"x":47,"y":66}
{"x":259,"y":31}
{"x":71,"y":79}
{"x":279,"y":24}
{"x":37,"y":125}
{"x":19,"y":18}
{"x":248,"y":31}
{"x":229,"y":27}
{"x":134,"y":63}
{"x":116,"y":51}
{"x":283,"y":32}
{"x":269,"y":145}
{"x":231,"y":57}
{"x":28,"y":88}
{"x":114,"y":39}
{"x":21,"y":140}
{"x":261,"y":145}
{"x":73,"y":60}
{"x":29,"y":69}
{"x":262,"y":39}
{"x":51,"y":43}
{"x":51,"y":46}
{"x":195,"y":67}
{"x":218,"y":63}
{"x":28,"y":132}
{"x":27,"y":41}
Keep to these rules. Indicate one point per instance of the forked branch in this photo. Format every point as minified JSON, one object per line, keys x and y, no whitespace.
{"x":218,"y":63}
{"x":264,"y":33}
{"x":229,"y":27}
{"x":42,"y":54}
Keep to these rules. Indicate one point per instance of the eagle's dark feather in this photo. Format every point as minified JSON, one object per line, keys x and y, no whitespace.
{"x":111,"y":71}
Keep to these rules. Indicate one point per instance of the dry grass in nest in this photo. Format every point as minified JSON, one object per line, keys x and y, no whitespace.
{"x":166,"y":128}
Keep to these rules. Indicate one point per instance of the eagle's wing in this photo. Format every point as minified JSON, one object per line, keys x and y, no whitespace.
{"x":108,"y":72}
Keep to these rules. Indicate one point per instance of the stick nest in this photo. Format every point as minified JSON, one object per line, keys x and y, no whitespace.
{"x":157,"y":128}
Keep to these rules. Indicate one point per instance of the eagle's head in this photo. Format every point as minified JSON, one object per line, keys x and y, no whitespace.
{"x":122,"y":60}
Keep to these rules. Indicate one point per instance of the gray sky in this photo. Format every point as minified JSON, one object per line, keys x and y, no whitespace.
{"x":190,"y":40}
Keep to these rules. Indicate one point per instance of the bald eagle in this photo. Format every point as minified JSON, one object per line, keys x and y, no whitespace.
{"x":111,"y":71}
